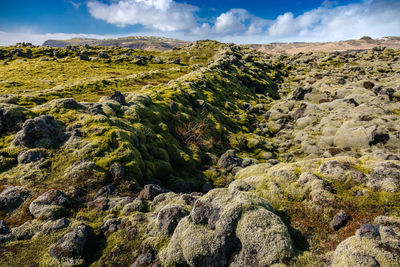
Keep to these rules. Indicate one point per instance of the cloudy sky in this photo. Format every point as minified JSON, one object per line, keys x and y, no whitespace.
{"x":239,"y":21}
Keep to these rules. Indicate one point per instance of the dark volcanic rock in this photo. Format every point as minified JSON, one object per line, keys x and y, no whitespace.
{"x":120,"y":98}
{"x":108,"y":190}
{"x":12,"y":197}
{"x":69,"y":248}
{"x":368,"y":230}
{"x":300,"y":93}
{"x":103,"y":55}
{"x":150,"y":191}
{"x":29,"y":156}
{"x":368,"y":85}
{"x":169,"y":217}
{"x":43,"y":131}
{"x":339,"y":220}
{"x":50,"y":204}
{"x":111,"y":225}
{"x":229,"y":160}
{"x":204,"y":213}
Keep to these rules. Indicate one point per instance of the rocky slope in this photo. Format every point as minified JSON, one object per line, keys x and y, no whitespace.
{"x":136,"y":42}
{"x":207,"y":155}
{"x":365,"y":43}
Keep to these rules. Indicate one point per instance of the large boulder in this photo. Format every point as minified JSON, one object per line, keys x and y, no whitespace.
{"x":43,"y":131}
{"x":229,"y":227}
{"x":12,"y":197}
{"x":385,"y":176}
{"x":51,"y":204}
{"x":372,"y":245}
{"x":69,"y":248}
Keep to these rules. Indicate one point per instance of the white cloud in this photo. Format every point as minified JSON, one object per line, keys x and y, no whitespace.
{"x":164,"y":15}
{"x":329,"y":22}
{"x":332,"y":22}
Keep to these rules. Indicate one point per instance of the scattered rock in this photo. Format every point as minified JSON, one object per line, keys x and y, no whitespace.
{"x":51,"y":204}
{"x":334,"y":169}
{"x":110,"y":225}
{"x":108,"y":190}
{"x":26,"y":230}
{"x":229,"y":160}
{"x":169,"y":217}
{"x":339,"y":220}
{"x":117,"y":96}
{"x":150,"y":191}
{"x":368,"y":85}
{"x":29,"y":156}
{"x":103,"y":55}
{"x":12,"y":197}
{"x":369,"y":231}
{"x":55,"y":225}
{"x":385,"y":176}
{"x":136,"y":205}
{"x":69,"y":249}
{"x":43,"y":131}
{"x":84,"y":56}
{"x":299,"y":93}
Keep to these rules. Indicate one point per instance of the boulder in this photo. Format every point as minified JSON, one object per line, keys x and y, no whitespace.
{"x":368,"y":85}
{"x":103,"y":55}
{"x":51,"y":204}
{"x":43,"y":131}
{"x":150,"y":191}
{"x":119,"y":97}
{"x":26,"y":230}
{"x":55,"y":225}
{"x":229,"y":227}
{"x":229,"y":160}
{"x":110,"y":225}
{"x":108,"y":190}
{"x":117,"y":171}
{"x":300,"y":92}
{"x":69,"y":248}
{"x":373,"y":245}
{"x":12,"y":197}
{"x":385,"y":176}
{"x":29,"y":156}
{"x":334,"y":169}
{"x":136,"y":205}
{"x":169,"y":217}
{"x":339,"y":220}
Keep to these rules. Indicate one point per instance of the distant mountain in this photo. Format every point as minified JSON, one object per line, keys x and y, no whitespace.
{"x":364,"y":43}
{"x":137,"y":42}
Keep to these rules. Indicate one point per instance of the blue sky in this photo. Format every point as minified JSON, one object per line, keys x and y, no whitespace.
{"x":225,"y":20}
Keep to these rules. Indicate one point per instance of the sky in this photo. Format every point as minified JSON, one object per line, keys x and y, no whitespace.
{"x":238,"y":21}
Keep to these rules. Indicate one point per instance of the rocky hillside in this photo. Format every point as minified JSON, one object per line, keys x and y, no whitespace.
{"x":365,"y":43}
{"x":207,"y":155}
{"x":136,"y":42}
